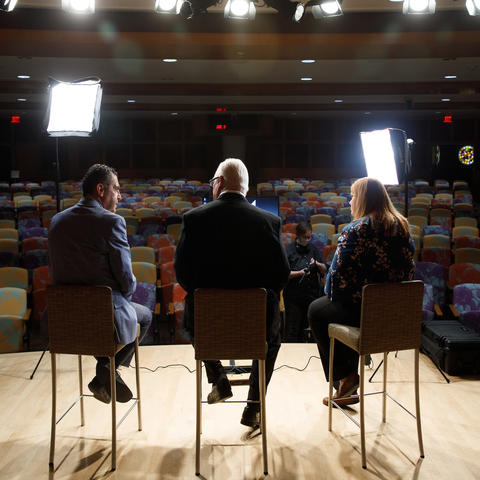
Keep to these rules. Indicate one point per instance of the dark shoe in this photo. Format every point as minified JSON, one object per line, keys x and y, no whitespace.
{"x":99,"y":391}
{"x":221,"y":391}
{"x":343,"y":401}
{"x":250,"y":417}
{"x":102,"y":391}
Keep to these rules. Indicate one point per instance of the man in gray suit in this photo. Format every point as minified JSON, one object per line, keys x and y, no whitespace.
{"x":88,"y":245}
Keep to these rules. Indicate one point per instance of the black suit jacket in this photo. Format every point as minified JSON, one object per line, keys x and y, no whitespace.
{"x":229,"y":243}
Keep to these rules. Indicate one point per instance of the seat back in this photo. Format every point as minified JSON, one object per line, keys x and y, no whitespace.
{"x":391,"y":317}
{"x":80,"y":320}
{"x":14,"y":277}
{"x":230,"y":324}
{"x":13,"y":301}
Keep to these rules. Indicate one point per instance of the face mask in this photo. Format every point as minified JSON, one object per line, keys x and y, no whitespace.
{"x":303,"y":242}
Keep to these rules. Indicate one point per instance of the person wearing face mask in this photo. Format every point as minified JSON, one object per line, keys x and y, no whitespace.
{"x":303,"y":285}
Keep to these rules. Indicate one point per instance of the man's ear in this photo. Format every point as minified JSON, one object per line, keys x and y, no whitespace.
{"x":100,"y":189}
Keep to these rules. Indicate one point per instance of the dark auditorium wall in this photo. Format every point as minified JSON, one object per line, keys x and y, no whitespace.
{"x":275,"y":147}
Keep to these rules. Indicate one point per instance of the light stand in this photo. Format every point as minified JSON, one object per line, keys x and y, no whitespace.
{"x":73,"y":111}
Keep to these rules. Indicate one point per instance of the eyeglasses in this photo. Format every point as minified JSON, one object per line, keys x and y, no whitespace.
{"x":212,"y":180}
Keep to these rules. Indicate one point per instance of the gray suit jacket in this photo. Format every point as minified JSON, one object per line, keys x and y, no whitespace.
{"x":88,"y":245}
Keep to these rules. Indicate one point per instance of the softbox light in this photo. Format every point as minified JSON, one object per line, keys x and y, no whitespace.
{"x":7,"y":5}
{"x":73,"y":107}
{"x":386,"y":155}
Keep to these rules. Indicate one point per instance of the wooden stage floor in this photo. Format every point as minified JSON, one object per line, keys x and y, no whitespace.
{"x":300,"y":446}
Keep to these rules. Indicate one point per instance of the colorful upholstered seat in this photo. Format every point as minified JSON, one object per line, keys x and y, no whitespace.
{"x":466,"y":300}
{"x":436,"y":240}
{"x":11,"y":233}
{"x":328,"y":252}
{"x":467,"y":241}
{"x":137,"y":241}
{"x":417,"y":220}
{"x":467,"y":255}
{"x":465,"y":222}
{"x":462,"y":231}
{"x":34,"y":243}
{"x":13,"y":277}
{"x":33,"y":232}
{"x":320,"y":240}
{"x":142,"y":254}
{"x":35,"y":258}
{"x":165,"y":254}
{"x":40,"y":281}
{"x":436,"y":230}
{"x":167,"y":273}
{"x":174,"y":230}
{"x":440,"y":255}
{"x":459,"y":273}
{"x":289,"y":227}
{"x":160,"y":240}
{"x":428,"y":312}
{"x":13,"y":314}
{"x":435,"y":275}
{"x":325,"y":228}
{"x":287,"y":238}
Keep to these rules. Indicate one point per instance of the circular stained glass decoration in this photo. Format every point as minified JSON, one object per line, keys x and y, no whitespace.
{"x":466,"y":155}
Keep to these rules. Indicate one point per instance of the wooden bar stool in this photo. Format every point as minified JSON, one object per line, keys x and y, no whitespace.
{"x":80,"y":322}
{"x":230,"y":324}
{"x":391,"y":320}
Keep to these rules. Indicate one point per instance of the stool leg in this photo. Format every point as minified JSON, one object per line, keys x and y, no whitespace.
{"x":198,"y":429}
{"x":80,"y":384}
{"x":384,"y":395}
{"x":362,"y":410}
{"x":330,"y":383}
{"x":417,"y":404}
{"x":137,"y":376}
{"x":113,"y":390}
{"x":54,"y":409}
{"x":263,"y":413}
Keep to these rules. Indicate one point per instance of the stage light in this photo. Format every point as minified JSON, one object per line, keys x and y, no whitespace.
{"x":379,"y":157}
{"x":7,"y":5}
{"x":418,"y":6}
{"x":168,"y":6}
{"x":327,"y":8}
{"x":473,"y":7}
{"x":292,"y":10}
{"x":74,"y":107}
{"x":79,"y":6}
{"x":240,"y":10}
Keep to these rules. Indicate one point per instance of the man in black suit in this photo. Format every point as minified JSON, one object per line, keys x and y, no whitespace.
{"x":229,"y":243}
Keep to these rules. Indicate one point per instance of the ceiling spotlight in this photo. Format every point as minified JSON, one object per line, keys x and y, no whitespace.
{"x":308,"y":61}
{"x":79,"y":6}
{"x":292,"y":10}
{"x":327,"y":8}
{"x":168,"y":6}
{"x":7,"y":5}
{"x":23,"y":77}
{"x":306,"y":79}
{"x":473,"y":7}
{"x":450,"y":77}
{"x":418,"y":6}
{"x":240,"y":9}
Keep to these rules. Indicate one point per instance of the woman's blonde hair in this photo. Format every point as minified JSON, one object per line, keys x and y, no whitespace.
{"x":371,"y":199}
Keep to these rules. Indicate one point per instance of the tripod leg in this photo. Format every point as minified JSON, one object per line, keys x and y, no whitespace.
{"x":38,"y":363}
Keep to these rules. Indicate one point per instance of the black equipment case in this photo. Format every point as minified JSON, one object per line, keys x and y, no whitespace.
{"x":452,"y":345}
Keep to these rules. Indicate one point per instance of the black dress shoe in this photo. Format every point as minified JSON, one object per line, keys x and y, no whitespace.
{"x":250,"y":417}
{"x":99,"y":391}
{"x":102,"y":391}
{"x":221,"y":391}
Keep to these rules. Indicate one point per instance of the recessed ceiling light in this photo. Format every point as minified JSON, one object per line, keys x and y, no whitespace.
{"x":131,"y":100}
{"x":338,"y":100}
{"x":23,"y":77}
{"x":450,"y":76}
{"x":445,"y":99}
{"x":174,"y":113}
{"x":306,"y":79}
{"x":368,"y":113}
{"x":170,"y":60}
{"x":21,"y":99}
{"x":308,"y":61}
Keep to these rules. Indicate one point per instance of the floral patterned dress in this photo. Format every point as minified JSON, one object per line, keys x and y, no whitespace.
{"x":367,"y":255}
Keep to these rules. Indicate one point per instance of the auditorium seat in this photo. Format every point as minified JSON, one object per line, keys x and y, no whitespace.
{"x":13,"y":315}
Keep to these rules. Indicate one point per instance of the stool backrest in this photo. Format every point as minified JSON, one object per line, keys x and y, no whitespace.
{"x":80,"y":320}
{"x":391,"y":316}
{"x":230,"y":324}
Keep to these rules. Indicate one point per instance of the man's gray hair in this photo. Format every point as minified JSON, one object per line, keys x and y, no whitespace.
{"x":235,"y":175}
